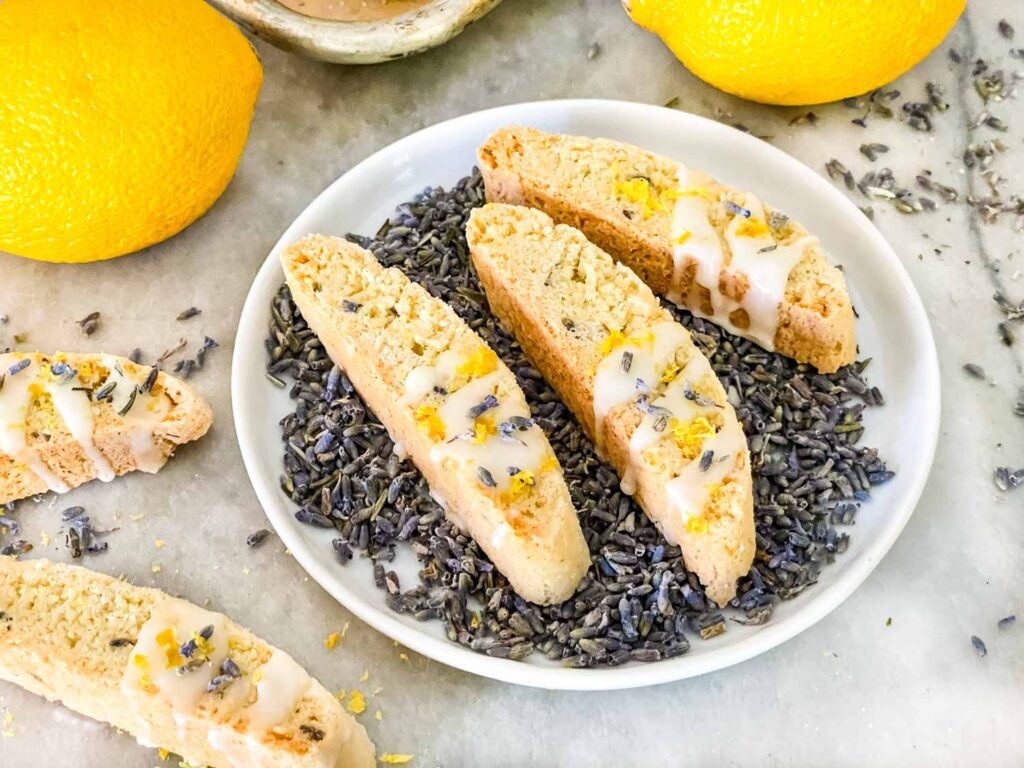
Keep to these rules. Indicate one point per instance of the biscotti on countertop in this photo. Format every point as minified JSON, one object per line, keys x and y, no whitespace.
{"x":715,"y":250}
{"x":632,"y":376}
{"x":452,"y":405}
{"x":66,"y":419}
{"x":172,"y":674}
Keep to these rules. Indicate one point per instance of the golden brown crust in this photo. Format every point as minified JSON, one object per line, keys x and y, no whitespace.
{"x":561,"y":295}
{"x":398,"y":327}
{"x":570,"y":178}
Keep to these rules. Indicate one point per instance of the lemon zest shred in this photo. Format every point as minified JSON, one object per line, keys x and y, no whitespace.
{"x":174,"y":658}
{"x":480,"y":362}
{"x":753,"y":227}
{"x":617,"y":338}
{"x":690,"y":436}
{"x":697,"y":524}
{"x":697,"y":192}
{"x":670,"y":373}
{"x":428,"y":420}
{"x":483,"y":427}
{"x":356,"y":703}
{"x":521,"y":482}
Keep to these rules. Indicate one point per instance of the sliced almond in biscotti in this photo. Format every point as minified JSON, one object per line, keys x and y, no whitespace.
{"x":642,"y":391}
{"x":174,"y":675}
{"x":66,"y":419}
{"x":456,"y":409}
{"x":720,"y":252}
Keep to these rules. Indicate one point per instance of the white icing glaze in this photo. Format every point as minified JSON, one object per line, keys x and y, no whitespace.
{"x":501,"y":456}
{"x":500,"y":534}
{"x":74,"y":406}
{"x":759,"y":257}
{"x":688,"y":493}
{"x":142,"y":417}
{"x":615,"y":382}
{"x":280,"y":684}
{"x":157,"y":667}
{"x":525,"y":451}
{"x":673,"y":401}
{"x":15,"y":399}
{"x":423,"y":379}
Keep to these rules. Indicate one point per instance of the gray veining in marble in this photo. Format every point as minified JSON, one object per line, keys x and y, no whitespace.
{"x":850,"y":691}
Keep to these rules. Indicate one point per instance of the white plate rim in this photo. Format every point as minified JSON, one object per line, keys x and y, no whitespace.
{"x":249,"y":342}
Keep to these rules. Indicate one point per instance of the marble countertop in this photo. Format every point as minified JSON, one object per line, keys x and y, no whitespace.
{"x":855,"y":689}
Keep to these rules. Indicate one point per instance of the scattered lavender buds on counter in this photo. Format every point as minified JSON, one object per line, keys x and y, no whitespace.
{"x":1006,"y":479}
{"x":1007,"y":621}
{"x":188,"y":313}
{"x":979,"y":646}
{"x":89,"y":323}
{"x":256,"y":538}
{"x":16,"y":548}
{"x":81,"y":537}
{"x":171,"y":352}
{"x":873,"y":150}
{"x":974,"y":371}
{"x":186,"y":366}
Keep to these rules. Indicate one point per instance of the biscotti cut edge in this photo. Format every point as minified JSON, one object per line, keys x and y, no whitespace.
{"x":574,"y":311}
{"x":413,"y":360}
{"x":815,"y":317}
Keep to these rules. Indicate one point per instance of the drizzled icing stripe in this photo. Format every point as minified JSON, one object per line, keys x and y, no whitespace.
{"x":640,"y":370}
{"x":474,"y":423}
{"x":15,"y":399}
{"x":183,"y":656}
{"x":25,"y":376}
{"x":748,"y":250}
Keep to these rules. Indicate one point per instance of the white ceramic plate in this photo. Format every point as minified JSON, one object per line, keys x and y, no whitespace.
{"x":892,"y":329}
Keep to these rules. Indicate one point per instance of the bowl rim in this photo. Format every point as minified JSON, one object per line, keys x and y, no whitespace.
{"x":357,"y":42}
{"x":379,"y":616}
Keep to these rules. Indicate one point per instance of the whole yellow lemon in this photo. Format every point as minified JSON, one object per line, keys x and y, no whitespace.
{"x":797,"y":51}
{"x":121,"y":122}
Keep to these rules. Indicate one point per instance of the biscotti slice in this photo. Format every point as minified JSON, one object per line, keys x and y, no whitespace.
{"x":66,"y":419}
{"x":454,"y":407}
{"x":720,"y":252}
{"x":642,"y":391}
{"x":174,"y":675}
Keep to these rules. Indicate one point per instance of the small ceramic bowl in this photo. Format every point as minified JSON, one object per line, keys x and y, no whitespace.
{"x":356,"y":42}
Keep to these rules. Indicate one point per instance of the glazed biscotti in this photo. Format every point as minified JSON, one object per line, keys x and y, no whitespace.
{"x":454,"y":407}
{"x":642,"y":391}
{"x":66,"y":419}
{"x":172,"y":674}
{"x":720,"y":252}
